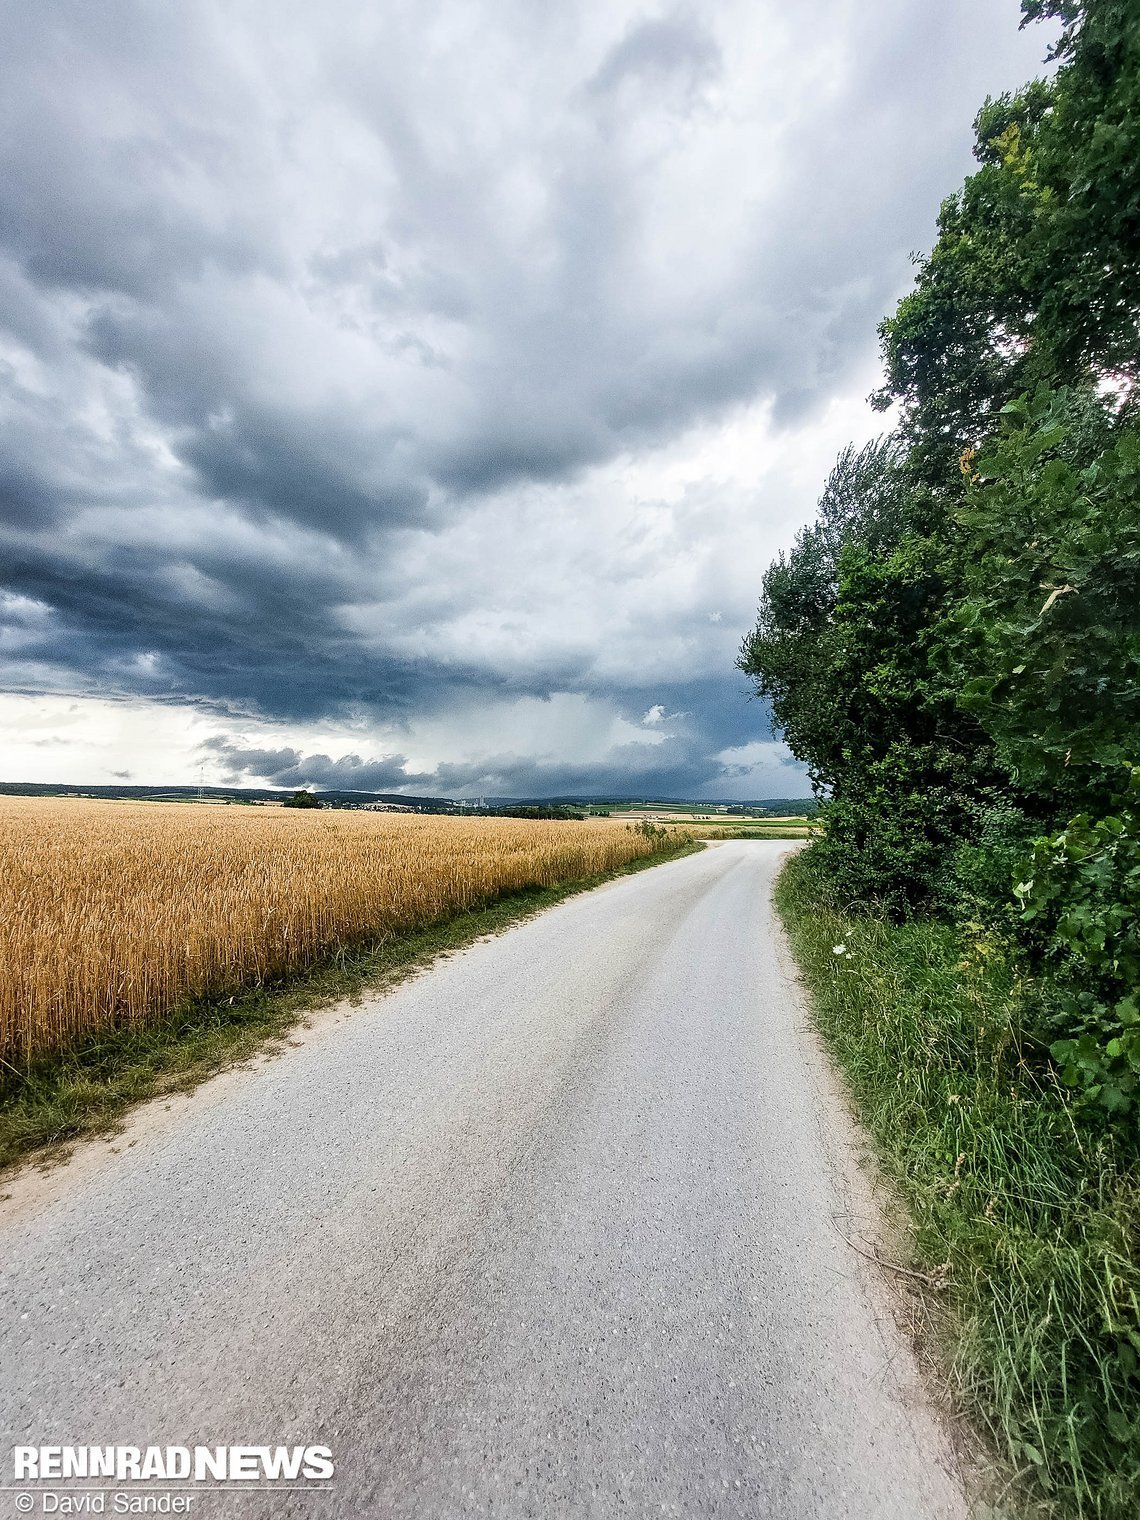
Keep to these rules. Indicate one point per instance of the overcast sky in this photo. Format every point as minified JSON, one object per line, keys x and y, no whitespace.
{"x":411,"y":396}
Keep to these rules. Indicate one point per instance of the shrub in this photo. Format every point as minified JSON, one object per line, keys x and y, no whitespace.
{"x":1083,"y":899}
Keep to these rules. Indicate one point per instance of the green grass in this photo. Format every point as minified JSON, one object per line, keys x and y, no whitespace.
{"x":761,"y":833}
{"x":87,"y":1090}
{"x":1032,"y":1219}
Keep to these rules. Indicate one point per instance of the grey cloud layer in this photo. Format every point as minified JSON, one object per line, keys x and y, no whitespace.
{"x":292,"y":296}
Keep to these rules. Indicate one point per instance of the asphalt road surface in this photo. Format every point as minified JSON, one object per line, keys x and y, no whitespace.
{"x":561,"y":1227}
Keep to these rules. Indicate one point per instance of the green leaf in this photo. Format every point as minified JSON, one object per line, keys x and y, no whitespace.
{"x":1118,"y":1426}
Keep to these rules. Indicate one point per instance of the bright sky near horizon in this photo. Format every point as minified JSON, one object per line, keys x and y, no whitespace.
{"x":411,"y":396}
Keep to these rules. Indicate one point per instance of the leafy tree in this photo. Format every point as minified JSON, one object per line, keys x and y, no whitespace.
{"x":302,"y":800}
{"x":1046,"y":640}
{"x":1036,"y":271}
{"x":791,"y":652}
{"x":959,"y":344}
{"x":842,"y":650}
{"x":1089,"y":260}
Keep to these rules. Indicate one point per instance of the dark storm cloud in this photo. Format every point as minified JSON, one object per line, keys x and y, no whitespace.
{"x":288,"y":292}
{"x":694,"y":742}
{"x":673,"y":770}
{"x":289,"y":767}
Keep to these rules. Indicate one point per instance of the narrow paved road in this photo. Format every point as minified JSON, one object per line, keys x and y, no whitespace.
{"x":556,"y":1229}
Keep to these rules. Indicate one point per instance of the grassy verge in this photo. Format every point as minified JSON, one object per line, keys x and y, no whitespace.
{"x":1031,"y":1220}
{"x":86,"y":1090}
{"x":761,"y":834}
{"x":712,"y":831}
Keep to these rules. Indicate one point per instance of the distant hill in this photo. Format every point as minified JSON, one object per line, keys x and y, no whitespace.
{"x":123,"y":791}
{"x":127,"y":793}
{"x":798,"y":807}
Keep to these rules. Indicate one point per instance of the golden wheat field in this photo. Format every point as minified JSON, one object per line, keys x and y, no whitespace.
{"x":112,"y":912}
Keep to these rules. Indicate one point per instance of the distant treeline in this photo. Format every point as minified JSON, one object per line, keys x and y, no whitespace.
{"x":538,"y":811}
